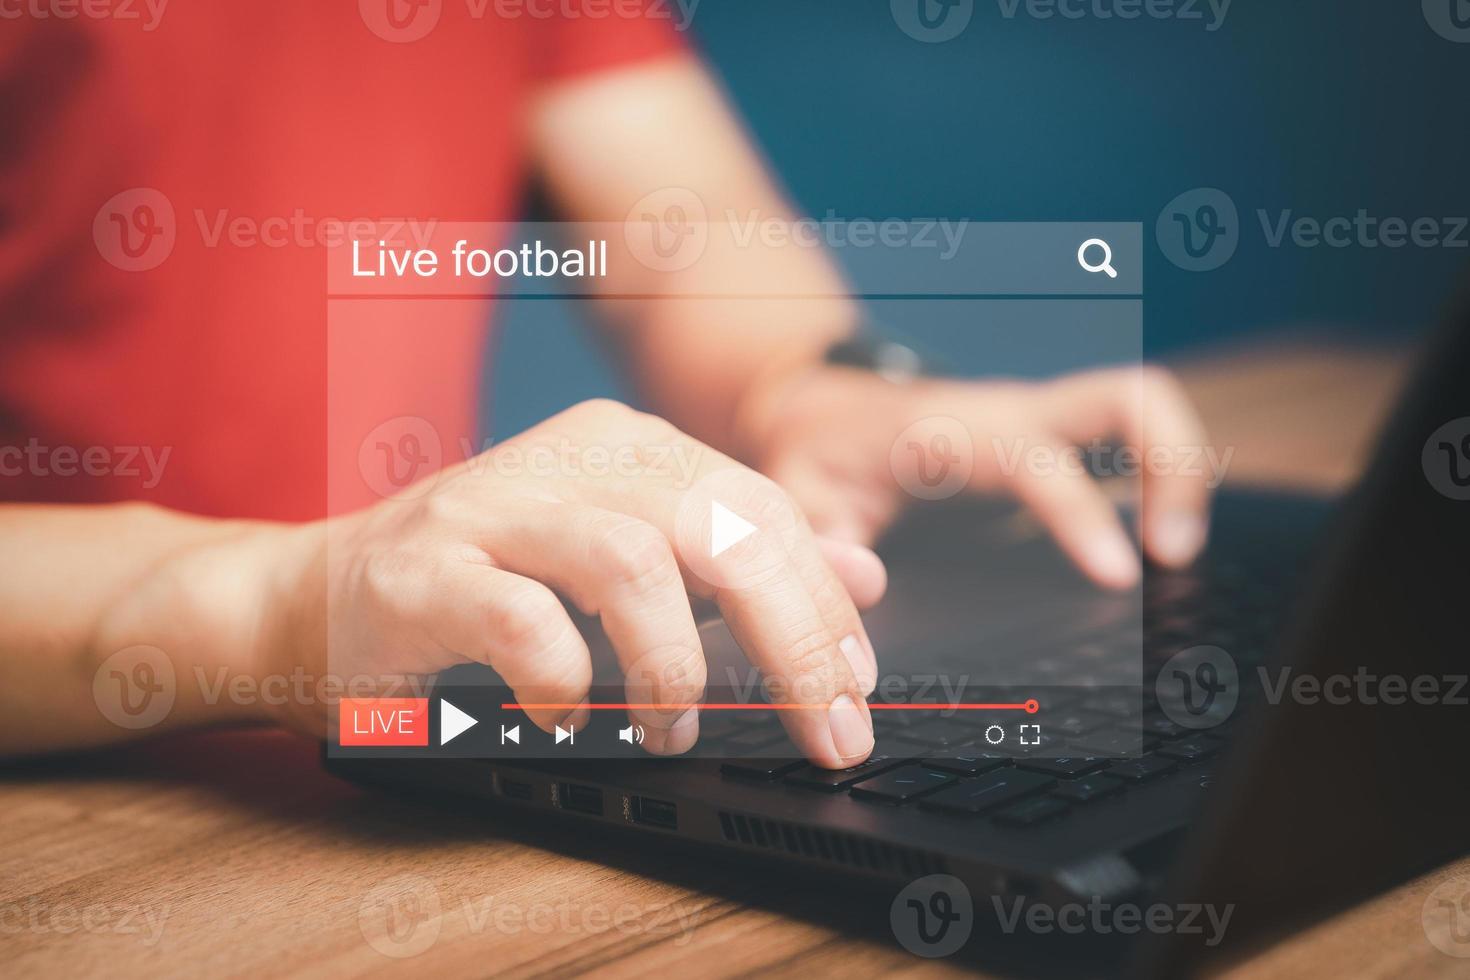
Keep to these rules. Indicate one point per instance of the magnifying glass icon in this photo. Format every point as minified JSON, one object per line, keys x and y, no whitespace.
{"x":1106,"y":265}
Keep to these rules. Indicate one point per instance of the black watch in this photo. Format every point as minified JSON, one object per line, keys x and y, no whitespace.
{"x":867,"y":351}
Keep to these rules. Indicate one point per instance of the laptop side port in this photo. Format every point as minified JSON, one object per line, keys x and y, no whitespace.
{"x":653,"y":813}
{"x":580,"y":799}
{"x":514,"y":789}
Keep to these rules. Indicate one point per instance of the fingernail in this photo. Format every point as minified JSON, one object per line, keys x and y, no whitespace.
{"x":1178,"y":537}
{"x":852,"y":734}
{"x":864,"y":665}
{"x":677,"y":738}
{"x":1113,"y":560}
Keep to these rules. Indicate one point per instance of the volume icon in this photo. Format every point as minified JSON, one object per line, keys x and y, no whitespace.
{"x":633,"y":734}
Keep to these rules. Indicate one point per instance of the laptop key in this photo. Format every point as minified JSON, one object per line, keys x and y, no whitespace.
{"x":1139,"y":770}
{"x":1160,"y":725}
{"x":968,"y":765}
{"x":834,"y":780}
{"x":1190,"y":749}
{"x":1030,"y":812}
{"x":1088,"y":788}
{"x":903,"y":784}
{"x":1116,"y":743}
{"x":1065,"y":768}
{"x":760,"y":768}
{"x":988,"y":792}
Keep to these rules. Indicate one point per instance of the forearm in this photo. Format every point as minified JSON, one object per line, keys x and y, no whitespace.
{"x":696,"y":336}
{"x":84,"y":584}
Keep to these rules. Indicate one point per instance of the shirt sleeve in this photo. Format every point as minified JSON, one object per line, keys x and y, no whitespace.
{"x":627,"y":32}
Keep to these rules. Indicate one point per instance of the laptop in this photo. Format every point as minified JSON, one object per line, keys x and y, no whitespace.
{"x":1291,"y":740}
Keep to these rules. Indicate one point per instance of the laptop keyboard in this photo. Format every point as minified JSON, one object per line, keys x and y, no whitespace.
{"x":1096,"y":745}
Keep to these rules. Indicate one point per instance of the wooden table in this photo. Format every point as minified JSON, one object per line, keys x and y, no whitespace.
{"x":231,"y":853}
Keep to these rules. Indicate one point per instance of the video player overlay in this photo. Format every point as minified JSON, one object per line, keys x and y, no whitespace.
{"x":990,"y":645}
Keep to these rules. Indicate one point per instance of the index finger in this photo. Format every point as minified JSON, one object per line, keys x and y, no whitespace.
{"x":1148,"y":409}
{"x":742,"y":542}
{"x":745,"y":542}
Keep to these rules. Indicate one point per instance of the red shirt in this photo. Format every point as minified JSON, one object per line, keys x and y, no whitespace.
{"x":163,"y":322}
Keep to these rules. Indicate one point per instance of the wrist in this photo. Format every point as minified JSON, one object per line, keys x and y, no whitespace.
{"x":201,"y":612}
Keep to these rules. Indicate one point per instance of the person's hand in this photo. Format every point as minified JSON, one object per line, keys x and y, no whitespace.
{"x":471,"y":567}
{"x":828,"y":436}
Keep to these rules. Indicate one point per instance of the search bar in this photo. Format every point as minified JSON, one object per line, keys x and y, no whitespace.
{"x":668,"y":251}
{"x":1010,"y":259}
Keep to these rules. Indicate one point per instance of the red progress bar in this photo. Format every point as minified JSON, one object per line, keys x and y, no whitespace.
{"x":1030,"y":707}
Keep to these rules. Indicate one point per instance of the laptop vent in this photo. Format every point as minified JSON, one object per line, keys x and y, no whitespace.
{"x":827,"y":845}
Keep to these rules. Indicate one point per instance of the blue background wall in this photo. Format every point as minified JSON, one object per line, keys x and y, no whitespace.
{"x":1316,"y":106}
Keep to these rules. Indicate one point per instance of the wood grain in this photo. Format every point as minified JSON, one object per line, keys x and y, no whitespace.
{"x":233,"y":854}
